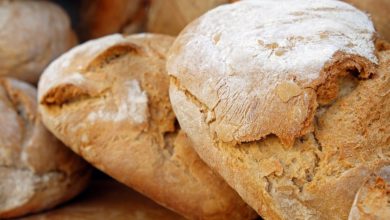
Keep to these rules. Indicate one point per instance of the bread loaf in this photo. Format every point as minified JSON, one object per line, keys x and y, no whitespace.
{"x":37,"y":171}
{"x":283,"y":99}
{"x":108,"y":100}
{"x":32,"y":34}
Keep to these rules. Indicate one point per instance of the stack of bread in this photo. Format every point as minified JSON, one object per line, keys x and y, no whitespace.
{"x":257,"y":108}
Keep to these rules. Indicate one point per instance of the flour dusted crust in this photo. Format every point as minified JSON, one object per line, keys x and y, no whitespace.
{"x":170,"y":17}
{"x":297,"y":137}
{"x":32,"y":34}
{"x":378,"y":11}
{"x":37,"y":171}
{"x":108,"y":100}
{"x":372,"y":199}
{"x":103,"y":17}
{"x":258,"y":51}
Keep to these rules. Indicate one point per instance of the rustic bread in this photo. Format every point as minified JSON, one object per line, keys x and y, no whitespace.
{"x":170,"y":17}
{"x":32,"y":34}
{"x":379,"y":11}
{"x":108,"y":100}
{"x":103,"y":17}
{"x":37,"y":171}
{"x":373,"y":199}
{"x":284,"y":101}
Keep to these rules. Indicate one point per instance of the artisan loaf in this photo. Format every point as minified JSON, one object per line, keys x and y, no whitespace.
{"x":108,"y":100}
{"x":37,"y":171}
{"x":285,"y":101}
{"x":32,"y":34}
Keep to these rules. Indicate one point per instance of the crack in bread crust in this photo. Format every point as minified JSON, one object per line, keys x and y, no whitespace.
{"x":336,"y":169}
{"x":155,"y":154}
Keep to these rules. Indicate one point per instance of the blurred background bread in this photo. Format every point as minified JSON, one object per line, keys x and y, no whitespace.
{"x":171,"y":16}
{"x":37,"y":171}
{"x":103,"y":17}
{"x":32,"y":34}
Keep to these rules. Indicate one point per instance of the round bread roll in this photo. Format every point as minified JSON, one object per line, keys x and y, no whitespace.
{"x":379,"y":11}
{"x":37,"y":171}
{"x":103,"y":17}
{"x":372,"y":199}
{"x":170,"y":17}
{"x":108,"y":100}
{"x":284,"y":101}
{"x":32,"y":34}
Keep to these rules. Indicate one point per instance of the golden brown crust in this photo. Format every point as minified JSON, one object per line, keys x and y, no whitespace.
{"x":318,"y":177}
{"x":372,"y":199}
{"x":110,"y":104}
{"x":37,"y":171}
{"x":242,"y":101}
{"x":32,"y":34}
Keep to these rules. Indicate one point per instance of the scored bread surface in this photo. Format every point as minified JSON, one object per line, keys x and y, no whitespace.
{"x":285,"y":101}
{"x":108,"y":100}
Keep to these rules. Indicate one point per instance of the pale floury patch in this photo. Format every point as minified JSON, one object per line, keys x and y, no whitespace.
{"x":134,"y":107}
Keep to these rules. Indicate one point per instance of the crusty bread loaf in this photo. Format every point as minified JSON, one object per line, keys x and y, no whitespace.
{"x":108,"y":100}
{"x":284,"y":101}
{"x":32,"y":34}
{"x":103,"y":17}
{"x":171,"y":16}
{"x":108,"y":199}
{"x":379,"y":11}
{"x":37,"y":171}
{"x":373,"y":199}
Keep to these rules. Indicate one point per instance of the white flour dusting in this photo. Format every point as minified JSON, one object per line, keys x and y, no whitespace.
{"x":278,"y":37}
{"x":134,"y":107}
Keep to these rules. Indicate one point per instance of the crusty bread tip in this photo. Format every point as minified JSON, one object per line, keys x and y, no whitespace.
{"x":108,"y":100}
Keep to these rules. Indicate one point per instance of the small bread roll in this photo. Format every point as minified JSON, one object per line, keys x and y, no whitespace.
{"x":103,"y":17}
{"x":108,"y":100}
{"x":171,"y":16}
{"x":283,"y":100}
{"x":372,"y":199}
{"x":32,"y":34}
{"x":379,"y":11}
{"x":37,"y":171}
